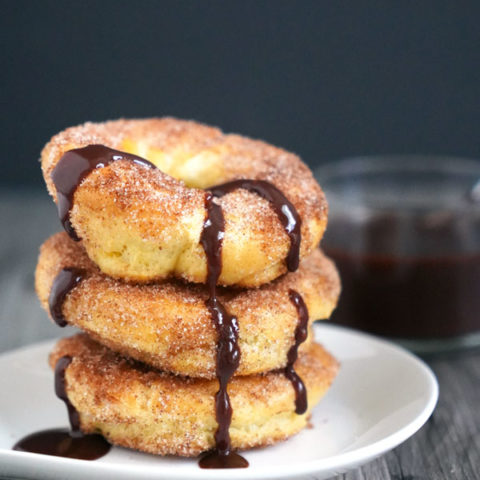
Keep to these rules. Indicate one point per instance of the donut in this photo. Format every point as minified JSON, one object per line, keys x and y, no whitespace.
{"x":142,"y":220}
{"x":168,"y":324}
{"x":138,"y":407}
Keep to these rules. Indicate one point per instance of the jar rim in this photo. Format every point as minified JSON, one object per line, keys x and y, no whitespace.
{"x":397,"y":163}
{"x":353,"y":175}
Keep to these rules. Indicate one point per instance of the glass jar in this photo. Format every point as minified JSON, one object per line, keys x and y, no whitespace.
{"x":404,"y":232}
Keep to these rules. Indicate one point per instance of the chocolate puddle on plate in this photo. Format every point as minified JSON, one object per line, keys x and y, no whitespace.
{"x":62,"y":442}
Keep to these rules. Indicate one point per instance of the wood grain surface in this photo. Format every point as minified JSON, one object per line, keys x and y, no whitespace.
{"x":447,"y":447}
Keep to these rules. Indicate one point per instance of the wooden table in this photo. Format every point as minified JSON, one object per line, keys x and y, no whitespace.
{"x":447,"y":447}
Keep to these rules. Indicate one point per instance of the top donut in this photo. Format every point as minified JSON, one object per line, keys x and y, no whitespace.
{"x":143,"y":222}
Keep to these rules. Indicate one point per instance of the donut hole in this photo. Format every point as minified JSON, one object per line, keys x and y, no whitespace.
{"x":197,"y":169}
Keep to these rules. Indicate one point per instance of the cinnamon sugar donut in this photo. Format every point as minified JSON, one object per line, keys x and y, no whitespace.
{"x":141,"y":224}
{"x":142,"y":408}
{"x":169,"y":326}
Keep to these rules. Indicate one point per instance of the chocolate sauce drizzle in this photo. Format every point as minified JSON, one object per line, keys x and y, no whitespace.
{"x":77,"y":163}
{"x":228,"y":350}
{"x":301,"y":333}
{"x":74,"y":166}
{"x":61,"y":392}
{"x":285,"y":210}
{"x":61,"y":442}
{"x":65,"y":281}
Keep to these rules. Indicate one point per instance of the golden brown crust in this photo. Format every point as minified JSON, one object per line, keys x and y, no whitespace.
{"x":143,"y":224}
{"x":145,"y":409}
{"x":168,"y":325}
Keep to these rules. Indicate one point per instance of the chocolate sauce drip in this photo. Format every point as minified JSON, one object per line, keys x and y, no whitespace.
{"x":74,"y":166}
{"x":285,"y":210}
{"x":61,"y":392}
{"x":228,"y":350}
{"x":301,"y":333}
{"x":211,"y":241}
{"x":65,"y":281}
{"x":62,"y":442}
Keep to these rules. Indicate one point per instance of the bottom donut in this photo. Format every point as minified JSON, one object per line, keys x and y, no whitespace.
{"x":138,"y":407}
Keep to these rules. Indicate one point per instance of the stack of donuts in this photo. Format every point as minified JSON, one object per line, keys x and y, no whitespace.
{"x":190,"y":262}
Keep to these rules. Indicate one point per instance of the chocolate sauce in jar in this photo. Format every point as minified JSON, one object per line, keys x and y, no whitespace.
{"x":285,"y":210}
{"x":63,"y":442}
{"x":228,"y":350}
{"x":408,"y":279}
{"x":74,"y":166}
{"x":301,"y":333}
{"x":63,"y":283}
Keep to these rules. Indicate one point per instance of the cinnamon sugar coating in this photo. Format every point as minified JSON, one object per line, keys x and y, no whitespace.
{"x":167,"y":324}
{"x":143,"y":224}
{"x":142,"y":408}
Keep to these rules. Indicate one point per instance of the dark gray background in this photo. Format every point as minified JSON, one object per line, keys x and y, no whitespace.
{"x":325,"y":79}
